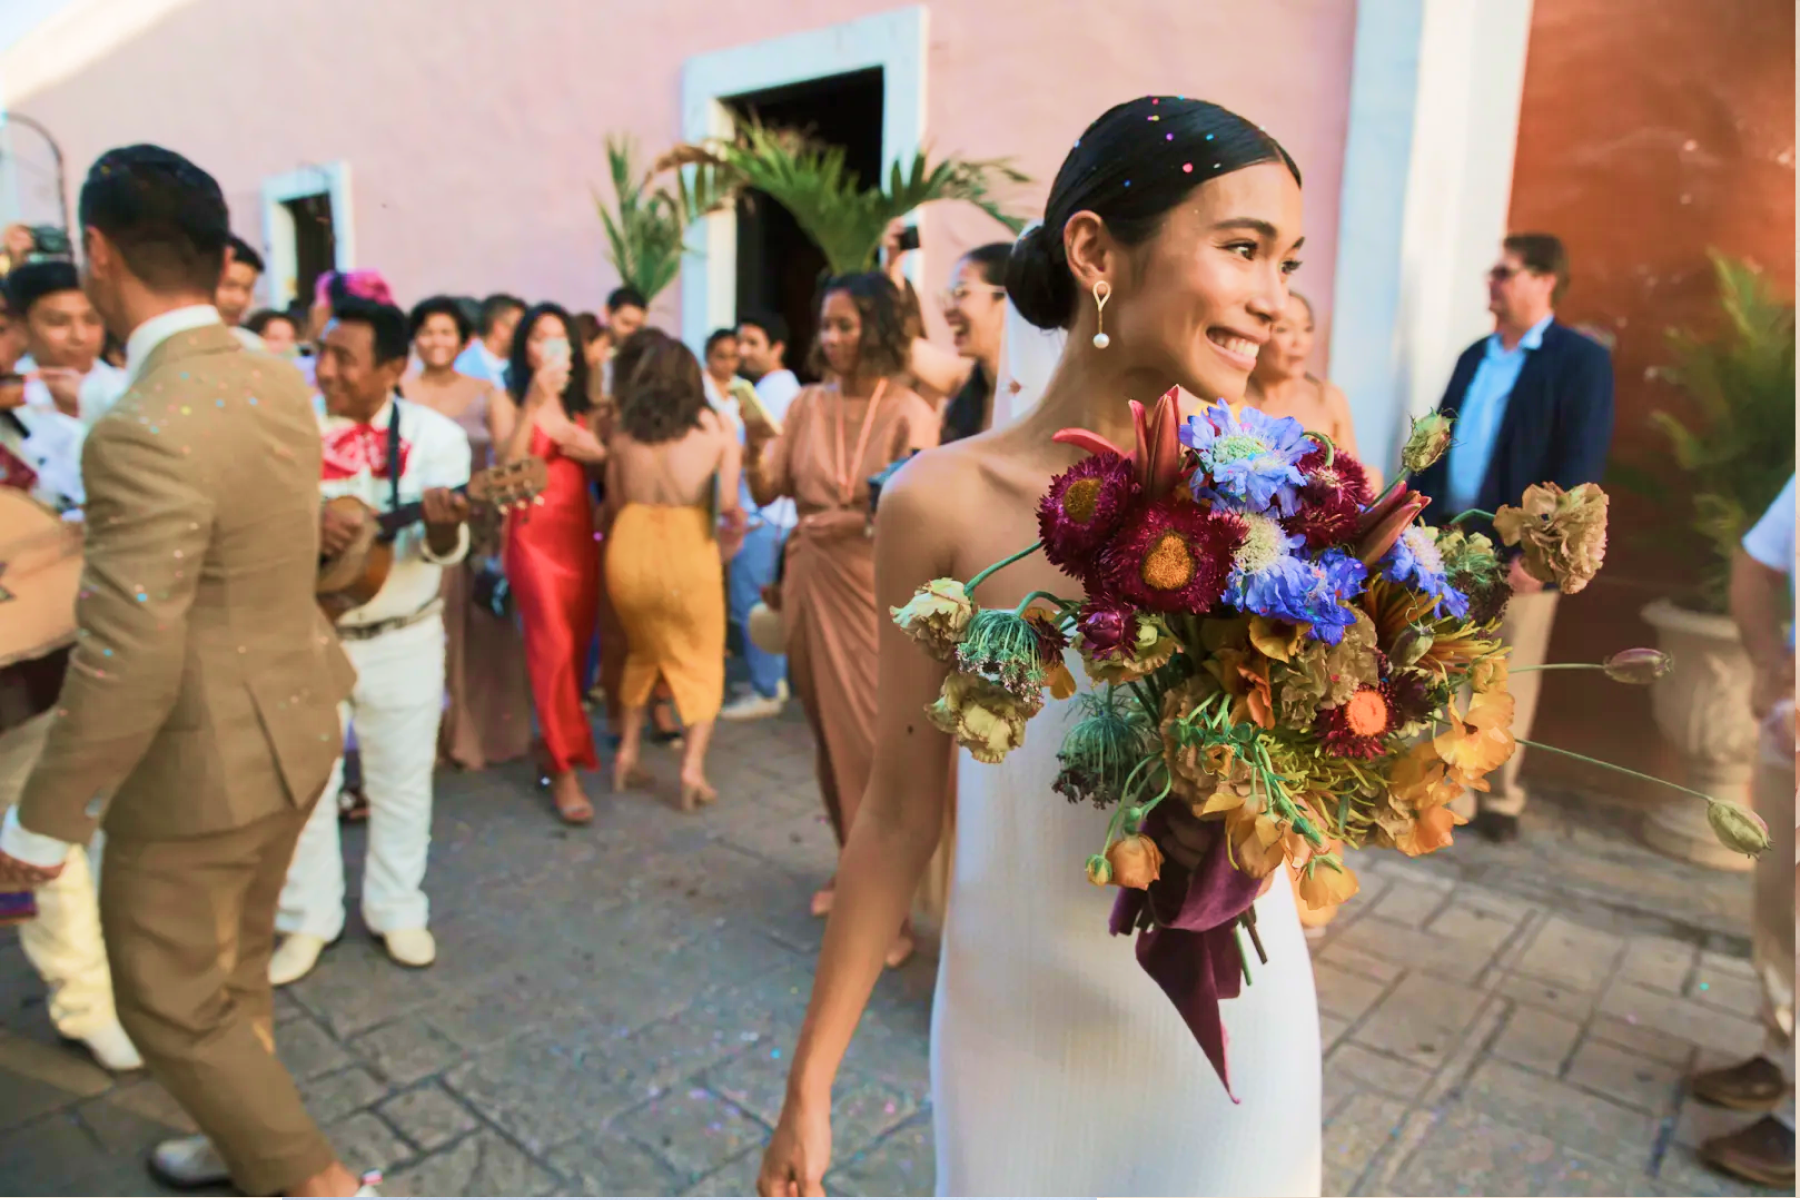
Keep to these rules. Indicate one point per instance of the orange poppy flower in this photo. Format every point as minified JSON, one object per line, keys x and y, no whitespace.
{"x":1431,"y":832}
{"x":1481,"y":739}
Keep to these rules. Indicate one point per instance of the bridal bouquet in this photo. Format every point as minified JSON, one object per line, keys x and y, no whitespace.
{"x":1296,"y":663}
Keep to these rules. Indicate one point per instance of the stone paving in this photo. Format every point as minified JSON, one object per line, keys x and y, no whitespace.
{"x":614,"y":1007}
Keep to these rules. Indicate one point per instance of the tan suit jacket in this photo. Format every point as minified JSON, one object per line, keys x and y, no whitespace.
{"x":202,"y":693}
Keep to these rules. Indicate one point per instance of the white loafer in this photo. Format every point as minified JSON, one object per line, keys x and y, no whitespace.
{"x":295,"y":958}
{"x":189,"y":1162}
{"x":411,"y":947}
{"x":112,"y":1048}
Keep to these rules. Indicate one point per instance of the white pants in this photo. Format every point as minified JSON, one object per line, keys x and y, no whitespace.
{"x":63,"y":943}
{"x":397,"y":704}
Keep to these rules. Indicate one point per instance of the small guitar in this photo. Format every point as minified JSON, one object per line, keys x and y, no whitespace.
{"x":353,"y":578}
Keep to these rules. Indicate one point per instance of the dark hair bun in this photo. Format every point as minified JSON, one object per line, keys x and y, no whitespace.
{"x":1038,"y":281}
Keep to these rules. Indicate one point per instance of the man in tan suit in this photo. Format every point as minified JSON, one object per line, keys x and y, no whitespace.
{"x":197,"y":722}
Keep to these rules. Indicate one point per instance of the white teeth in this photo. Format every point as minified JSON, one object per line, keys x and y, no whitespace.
{"x":1237,"y":345}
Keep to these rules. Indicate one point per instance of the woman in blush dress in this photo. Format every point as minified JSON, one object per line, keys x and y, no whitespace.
{"x":1057,"y":1066}
{"x":834,"y":437}
{"x":489,"y":715}
{"x":552,"y":559}
{"x":1283,"y":386}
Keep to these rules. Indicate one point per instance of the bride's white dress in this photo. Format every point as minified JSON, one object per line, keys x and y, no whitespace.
{"x":1058,"y":1067}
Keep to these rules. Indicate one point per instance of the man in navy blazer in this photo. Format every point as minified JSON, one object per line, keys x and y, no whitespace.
{"x":1533,"y":403}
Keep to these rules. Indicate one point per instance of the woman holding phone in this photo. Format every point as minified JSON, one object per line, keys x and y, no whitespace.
{"x":552,"y":560}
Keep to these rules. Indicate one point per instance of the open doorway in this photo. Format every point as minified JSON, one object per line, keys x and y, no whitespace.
{"x":778,"y":267}
{"x":315,"y":242}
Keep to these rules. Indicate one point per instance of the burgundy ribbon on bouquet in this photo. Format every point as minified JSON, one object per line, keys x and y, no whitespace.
{"x":1192,"y":950}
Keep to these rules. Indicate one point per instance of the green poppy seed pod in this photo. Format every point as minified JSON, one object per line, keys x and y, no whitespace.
{"x":1426,"y":444}
{"x":1414,"y":642}
{"x":1737,"y":828}
{"x":1640,"y":666}
{"x":1134,"y":817}
{"x":1099,"y":871}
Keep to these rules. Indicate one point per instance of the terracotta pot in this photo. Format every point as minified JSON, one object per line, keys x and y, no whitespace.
{"x":1703,"y":708}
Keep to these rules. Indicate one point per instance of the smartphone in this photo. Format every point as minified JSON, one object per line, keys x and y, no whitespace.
{"x":748,"y":399}
{"x":556,"y":350}
{"x":909,"y":238}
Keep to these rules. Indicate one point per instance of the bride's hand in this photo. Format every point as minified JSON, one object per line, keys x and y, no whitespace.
{"x":799,"y":1152}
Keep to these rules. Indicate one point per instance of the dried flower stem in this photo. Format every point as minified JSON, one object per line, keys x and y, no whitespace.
{"x":1027,"y":552}
{"x":1062,"y":606}
{"x":1623,"y":771}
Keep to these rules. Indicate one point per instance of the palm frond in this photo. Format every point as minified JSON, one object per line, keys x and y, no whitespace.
{"x":646,"y":228}
{"x":842,"y":216}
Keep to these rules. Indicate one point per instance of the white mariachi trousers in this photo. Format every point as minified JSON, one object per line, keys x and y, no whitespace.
{"x":63,"y":943}
{"x":396,"y":705}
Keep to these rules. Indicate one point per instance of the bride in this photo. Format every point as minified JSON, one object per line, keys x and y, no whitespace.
{"x":1057,"y":1066}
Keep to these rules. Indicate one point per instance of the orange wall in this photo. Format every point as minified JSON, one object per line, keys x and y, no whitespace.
{"x":1649,"y":132}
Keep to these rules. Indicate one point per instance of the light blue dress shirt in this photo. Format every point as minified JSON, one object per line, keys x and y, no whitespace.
{"x":1483,"y":409}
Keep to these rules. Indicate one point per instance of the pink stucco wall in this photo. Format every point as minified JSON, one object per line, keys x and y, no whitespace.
{"x":474,"y":131}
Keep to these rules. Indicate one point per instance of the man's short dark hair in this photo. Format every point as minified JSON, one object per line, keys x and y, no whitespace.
{"x":495,"y":307}
{"x":435,"y":306}
{"x":625,"y":297}
{"x":385,"y":321}
{"x":1542,"y":254}
{"x":260,"y":321}
{"x":719,"y":335}
{"x":244,"y":252}
{"x":30,"y":282}
{"x":166,"y":216}
{"x":773,"y":325}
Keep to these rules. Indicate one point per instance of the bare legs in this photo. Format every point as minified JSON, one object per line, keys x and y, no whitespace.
{"x":695,"y":791}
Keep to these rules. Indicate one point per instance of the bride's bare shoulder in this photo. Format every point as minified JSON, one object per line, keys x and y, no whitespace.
{"x":969,"y":475}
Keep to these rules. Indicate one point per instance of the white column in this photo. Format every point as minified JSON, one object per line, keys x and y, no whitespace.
{"x":1434,"y":119}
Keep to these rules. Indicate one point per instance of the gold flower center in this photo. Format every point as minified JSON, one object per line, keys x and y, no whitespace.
{"x":1169,"y":566}
{"x":1367,"y":713}
{"x":1081,"y":500}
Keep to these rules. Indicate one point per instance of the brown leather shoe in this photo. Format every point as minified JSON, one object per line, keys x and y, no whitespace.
{"x":1754,"y":1086}
{"x":1762,"y":1153}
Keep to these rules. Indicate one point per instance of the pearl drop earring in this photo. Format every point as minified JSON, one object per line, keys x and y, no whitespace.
{"x":1102,"y":291}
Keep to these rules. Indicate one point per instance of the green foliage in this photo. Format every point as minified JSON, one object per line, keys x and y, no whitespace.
{"x":647,"y":225}
{"x":845,"y":219}
{"x":1739,"y":450}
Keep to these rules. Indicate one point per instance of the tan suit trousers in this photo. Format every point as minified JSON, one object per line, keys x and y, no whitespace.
{"x":1772,"y":912}
{"x":1526,"y":628}
{"x":190,"y":926}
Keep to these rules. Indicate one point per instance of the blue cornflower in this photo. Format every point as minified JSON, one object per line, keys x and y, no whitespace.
{"x":1251,"y":458}
{"x":1416,"y":562}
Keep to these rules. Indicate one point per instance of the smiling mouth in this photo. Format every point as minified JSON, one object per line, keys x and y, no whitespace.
{"x":1236,"y":349}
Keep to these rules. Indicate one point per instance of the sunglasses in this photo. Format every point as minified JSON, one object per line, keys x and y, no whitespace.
{"x":1501,"y":274}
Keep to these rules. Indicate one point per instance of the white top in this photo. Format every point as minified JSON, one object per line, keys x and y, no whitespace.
{"x":434,"y":453}
{"x":776,"y":391}
{"x":1771,"y":543}
{"x":15,"y":839}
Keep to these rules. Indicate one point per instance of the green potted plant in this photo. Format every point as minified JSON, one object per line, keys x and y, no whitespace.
{"x":1736,"y":451}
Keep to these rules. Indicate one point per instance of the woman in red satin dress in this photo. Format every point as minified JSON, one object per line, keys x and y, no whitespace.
{"x":552,"y":560}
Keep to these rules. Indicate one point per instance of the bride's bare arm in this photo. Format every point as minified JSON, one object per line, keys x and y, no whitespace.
{"x":898,"y":825}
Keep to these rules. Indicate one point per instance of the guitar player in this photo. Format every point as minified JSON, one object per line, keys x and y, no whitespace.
{"x":386,"y":452}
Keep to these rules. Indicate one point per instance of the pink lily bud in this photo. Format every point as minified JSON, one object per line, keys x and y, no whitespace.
{"x":1379,"y":540}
